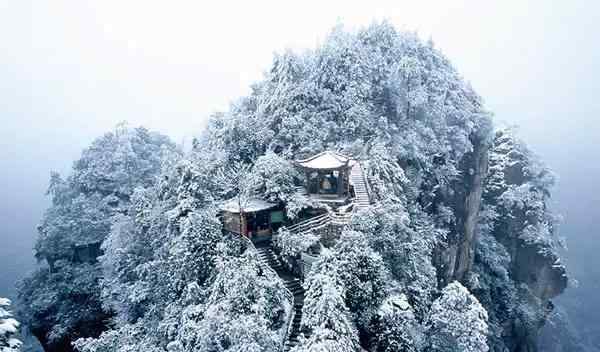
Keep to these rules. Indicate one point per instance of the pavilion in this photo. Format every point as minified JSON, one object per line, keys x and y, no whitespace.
{"x":327,"y":176}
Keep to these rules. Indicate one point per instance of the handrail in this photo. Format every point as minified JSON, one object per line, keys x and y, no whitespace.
{"x":366,"y":181}
{"x":321,"y":221}
{"x":306,"y":223}
{"x":340,"y":218}
{"x":289,"y":295}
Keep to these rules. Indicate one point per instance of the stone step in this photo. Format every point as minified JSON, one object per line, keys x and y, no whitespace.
{"x":270,"y":263}
{"x":267,"y":257}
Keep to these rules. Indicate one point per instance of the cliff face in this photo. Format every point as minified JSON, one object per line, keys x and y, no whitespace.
{"x":456,"y":260}
{"x":519,"y":186}
{"x":534,"y":270}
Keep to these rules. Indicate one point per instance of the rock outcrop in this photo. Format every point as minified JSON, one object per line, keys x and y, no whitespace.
{"x":455,"y":259}
{"x":491,"y":175}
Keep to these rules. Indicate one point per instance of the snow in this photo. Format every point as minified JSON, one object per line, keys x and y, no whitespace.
{"x":393,"y":303}
{"x":248,"y":206}
{"x":8,"y":326}
{"x":457,"y":321}
{"x":326,"y":160}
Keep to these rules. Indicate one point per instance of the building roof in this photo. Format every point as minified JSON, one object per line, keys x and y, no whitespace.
{"x":252,"y":205}
{"x":326,"y":160}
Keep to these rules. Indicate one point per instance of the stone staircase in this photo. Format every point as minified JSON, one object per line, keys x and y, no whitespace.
{"x":361,"y":188}
{"x":293,"y":284}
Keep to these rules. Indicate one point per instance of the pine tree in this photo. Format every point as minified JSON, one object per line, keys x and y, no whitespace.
{"x":8,"y":328}
{"x":457,"y":322}
{"x":395,"y":327}
{"x":326,"y":317}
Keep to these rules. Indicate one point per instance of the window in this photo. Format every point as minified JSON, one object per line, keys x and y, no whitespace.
{"x":276,"y":216}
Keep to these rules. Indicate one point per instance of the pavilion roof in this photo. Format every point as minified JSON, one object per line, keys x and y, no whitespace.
{"x":326,"y":160}
{"x":251,"y":205}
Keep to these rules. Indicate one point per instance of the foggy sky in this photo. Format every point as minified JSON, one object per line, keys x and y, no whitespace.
{"x":71,"y":70}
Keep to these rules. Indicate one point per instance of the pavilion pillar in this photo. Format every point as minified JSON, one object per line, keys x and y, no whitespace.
{"x":340,"y":183}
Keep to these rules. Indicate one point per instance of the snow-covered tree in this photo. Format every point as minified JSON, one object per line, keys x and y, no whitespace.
{"x":325,"y":314}
{"x":293,"y":244}
{"x":275,"y":178}
{"x":387,"y":178}
{"x":246,"y":311}
{"x":363,"y":274}
{"x":395,"y":327}
{"x":405,"y":242}
{"x":457,"y":322}
{"x":9,"y":327}
{"x":518,"y":187}
{"x":65,"y":301}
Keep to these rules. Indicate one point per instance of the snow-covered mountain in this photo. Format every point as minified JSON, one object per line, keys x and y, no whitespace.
{"x":442,"y":240}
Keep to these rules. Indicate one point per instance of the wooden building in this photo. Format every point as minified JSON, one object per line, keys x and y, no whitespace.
{"x":255,"y":218}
